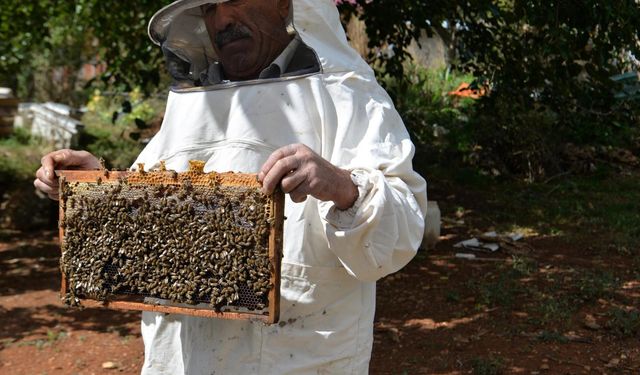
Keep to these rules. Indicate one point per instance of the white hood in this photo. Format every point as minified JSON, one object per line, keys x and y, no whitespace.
{"x":331,"y":258}
{"x":180,"y":28}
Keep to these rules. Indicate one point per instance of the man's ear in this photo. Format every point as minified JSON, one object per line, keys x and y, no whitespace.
{"x":284,"y":7}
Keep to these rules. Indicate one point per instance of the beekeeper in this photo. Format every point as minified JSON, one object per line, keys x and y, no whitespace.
{"x":272,"y":87}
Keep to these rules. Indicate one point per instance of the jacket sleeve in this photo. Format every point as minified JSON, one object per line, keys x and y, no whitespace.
{"x":381,"y":233}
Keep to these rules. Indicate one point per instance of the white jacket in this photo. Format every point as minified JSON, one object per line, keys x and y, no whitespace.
{"x":332,"y":258}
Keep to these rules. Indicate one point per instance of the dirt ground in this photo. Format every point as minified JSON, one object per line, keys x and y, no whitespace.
{"x":563,"y":308}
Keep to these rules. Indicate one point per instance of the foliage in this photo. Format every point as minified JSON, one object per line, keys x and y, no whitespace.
{"x":624,"y":323}
{"x":48,"y":41}
{"x":35,"y":37}
{"x":488,"y":366}
{"x":547,"y":65}
{"x":502,"y":291}
{"x":117,"y":151}
{"x":114,"y":124}
{"x":553,"y":308}
{"x":19,"y":157}
{"x":394,"y":24}
{"x":594,"y":285}
{"x":429,"y":113}
{"x":507,"y":137}
{"x":550,"y":74}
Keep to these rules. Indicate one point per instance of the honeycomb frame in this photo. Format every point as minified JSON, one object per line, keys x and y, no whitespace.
{"x":147,"y":181}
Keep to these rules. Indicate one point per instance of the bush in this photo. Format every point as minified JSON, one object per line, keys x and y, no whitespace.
{"x":20,"y":207}
{"x":433,"y":117}
{"x":500,"y":134}
{"x":114,"y":125}
{"x":20,"y":156}
{"x":546,"y":67}
{"x":624,"y":323}
{"x":117,"y":151}
{"x":512,"y":139}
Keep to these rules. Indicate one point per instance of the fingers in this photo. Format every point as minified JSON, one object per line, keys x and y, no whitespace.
{"x":300,"y":172}
{"x":74,"y":159}
{"x":46,"y":184}
{"x":292,"y":181}
{"x":46,"y":180}
{"x":56,"y":159}
{"x":70,"y":159}
{"x":49,"y":180}
{"x":275,"y":173}
{"x":48,"y":167}
{"x":298,"y":198}
{"x":295,"y":184}
{"x":277,"y":155}
{"x":51,"y":191}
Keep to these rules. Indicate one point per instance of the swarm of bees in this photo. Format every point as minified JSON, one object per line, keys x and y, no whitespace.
{"x":182,"y":242}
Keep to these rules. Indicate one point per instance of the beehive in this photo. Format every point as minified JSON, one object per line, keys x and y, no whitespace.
{"x":202,"y":244}
{"x":8,"y":110}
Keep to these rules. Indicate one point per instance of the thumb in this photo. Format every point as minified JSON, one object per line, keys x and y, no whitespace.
{"x":68,"y":159}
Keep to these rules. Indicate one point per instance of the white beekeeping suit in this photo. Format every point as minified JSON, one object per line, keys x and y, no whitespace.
{"x":332,"y":258}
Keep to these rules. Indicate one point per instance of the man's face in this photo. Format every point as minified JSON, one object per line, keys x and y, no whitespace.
{"x":247,"y":35}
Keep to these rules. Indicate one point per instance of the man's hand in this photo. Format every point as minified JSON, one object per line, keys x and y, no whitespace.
{"x":46,"y":180}
{"x":301,"y":172}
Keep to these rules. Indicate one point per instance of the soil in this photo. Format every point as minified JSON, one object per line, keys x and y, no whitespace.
{"x":439,"y":315}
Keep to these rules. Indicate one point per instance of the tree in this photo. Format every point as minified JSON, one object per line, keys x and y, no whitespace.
{"x":45,"y":34}
{"x":547,"y":64}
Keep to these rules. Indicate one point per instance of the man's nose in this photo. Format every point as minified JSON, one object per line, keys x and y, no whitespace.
{"x":223,"y":16}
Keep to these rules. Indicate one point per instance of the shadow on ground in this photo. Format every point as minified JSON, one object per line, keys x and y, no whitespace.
{"x":20,"y":323}
{"x":30,"y":263}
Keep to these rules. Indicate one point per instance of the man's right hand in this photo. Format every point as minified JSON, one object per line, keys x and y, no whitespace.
{"x":46,"y":180}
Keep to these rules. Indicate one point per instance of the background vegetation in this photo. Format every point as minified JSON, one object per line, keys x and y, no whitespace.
{"x":546,"y":69}
{"x":545,"y":65}
{"x":43,"y":43}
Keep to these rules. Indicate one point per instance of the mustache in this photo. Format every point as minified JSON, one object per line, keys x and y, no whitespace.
{"x":230,"y":34}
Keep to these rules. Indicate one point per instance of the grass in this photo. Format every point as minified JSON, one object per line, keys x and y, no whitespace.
{"x":592,"y":285}
{"x":599,"y":213}
{"x":552,"y":336}
{"x":20,"y":156}
{"x":624,"y":323}
{"x":601,"y":210}
{"x":5,"y":343}
{"x":501,"y":291}
{"x":524,"y":265}
{"x":52,"y":338}
{"x":488,"y":366}
{"x":453,"y":297}
{"x":554,"y":308}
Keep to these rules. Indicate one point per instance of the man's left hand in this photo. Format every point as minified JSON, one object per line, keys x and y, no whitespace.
{"x":301,"y":172}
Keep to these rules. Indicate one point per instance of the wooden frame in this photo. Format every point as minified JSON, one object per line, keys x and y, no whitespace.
{"x":195,"y":175}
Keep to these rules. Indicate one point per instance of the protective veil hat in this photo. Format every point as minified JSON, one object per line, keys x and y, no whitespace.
{"x":188,"y":36}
